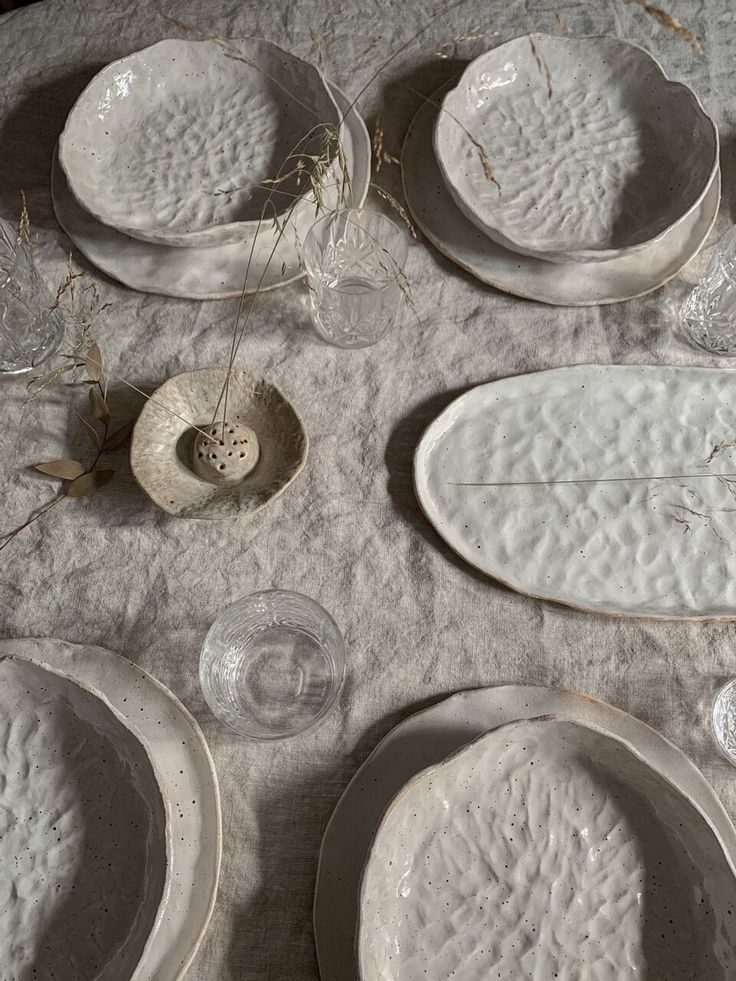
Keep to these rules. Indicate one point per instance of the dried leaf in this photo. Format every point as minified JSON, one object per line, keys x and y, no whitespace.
{"x":119,"y":436}
{"x":90,"y":430}
{"x":65,"y":469}
{"x":89,"y":482}
{"x":94,"y":363}
{"x":99,"y":405}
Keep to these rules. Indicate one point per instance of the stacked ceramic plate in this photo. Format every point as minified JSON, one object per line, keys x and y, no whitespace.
{"x":570,"y":170}
{"x":578,"y":844}
{"x":189,"y":168}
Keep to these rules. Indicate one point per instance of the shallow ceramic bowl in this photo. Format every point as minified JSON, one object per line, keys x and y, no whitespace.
{"x":549,"y":849}
{"x":173,"y":143}
{"x":163,"y":443}
{"x":574,"y":148}
{"x":83,"y":831}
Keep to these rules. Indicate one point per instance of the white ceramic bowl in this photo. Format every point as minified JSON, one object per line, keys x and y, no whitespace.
{"x":173,"y":144}
{"x":574,"y":149}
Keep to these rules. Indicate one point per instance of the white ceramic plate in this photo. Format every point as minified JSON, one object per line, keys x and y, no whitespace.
{"x":593,"y":152}
{"x":546,"y":848}
{"x":650,"y":548}
{"x":84,"y":832}
{"x":210,"y":273}
{"x":428,"y":737}
{"x":173,"y":144}
{"x":562,"y":284}
{"x":188,"y":783}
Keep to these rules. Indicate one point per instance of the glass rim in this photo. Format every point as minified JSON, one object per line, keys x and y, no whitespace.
{"x":716,"y":735}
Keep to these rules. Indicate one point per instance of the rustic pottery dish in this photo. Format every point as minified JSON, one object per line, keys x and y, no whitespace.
{"x":188,"y":785}
{"x":176,"y":143}
{"x":425,"y":739}
{"x":84,"y":842}
{"x":216,"y":272}
{"x":549,"y":848}
{"x":565,"y":284}
{"x":574,"y":149}
{"x":651,"y":547}
{"x":163,"y":445}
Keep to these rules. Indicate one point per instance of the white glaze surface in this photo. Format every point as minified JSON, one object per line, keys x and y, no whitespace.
{"x":546,"y":849}
{"x":620,"y":547}
{"x":565,"y":284}
{"x":188,"y":782}
{"x":592,"y":151}
{"x":83,"y":831}
{"x":425,"y":739}
{"x":214,"y":273}
{"x":173,"y":144}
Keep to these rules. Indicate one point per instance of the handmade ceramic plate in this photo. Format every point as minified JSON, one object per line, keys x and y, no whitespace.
{"x":565,"y":284}
{"x":188,"y":786}
{"x":177,"y":143}
{"x":545,"y":849}
{"x":425,"y":739}
{"x":605,"y":487}
{"x":84,"y":832}
{"x":218,"y":272}
{"x":574,"y":148}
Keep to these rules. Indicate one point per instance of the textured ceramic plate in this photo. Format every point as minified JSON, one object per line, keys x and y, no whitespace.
{"x":188,"y":783}
{"x":565,"y":284}
{"x":83,"y":832}
{"x":546,"y":848}
{"x":211,"y":273}
{"x":646,"y":547}
{"x":175,"y":144}
{"x":574,"y":148}
{"x":162,"y":444}
{"x":425,"y":739}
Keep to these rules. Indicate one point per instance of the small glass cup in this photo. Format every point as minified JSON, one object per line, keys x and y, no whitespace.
{"x":354,"y":262}
{"x":30,"y":330}
{"x":723,"y":718}
{"x":709,"y":310}
{"x":272,"y":665}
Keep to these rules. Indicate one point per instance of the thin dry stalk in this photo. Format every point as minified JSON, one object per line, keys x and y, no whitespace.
{"x":672,"y":24}
{"x":474,"y":34}
{"x":562,"y":24}
{"x":380,"y":154}
{"x":542,"y":66}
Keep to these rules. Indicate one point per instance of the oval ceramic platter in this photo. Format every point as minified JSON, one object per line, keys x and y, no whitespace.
{"x":546,"y":849}
{"x":533,"y":278}
{"x":425,"y":739}
{"x":96,"y":754}
{"x":530,"y":480}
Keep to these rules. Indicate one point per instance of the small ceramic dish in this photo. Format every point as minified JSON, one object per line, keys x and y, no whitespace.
{"x":176,"y":144}
{"x":574,"y":149}
{"x":169,"y":463}
{"x":547,"y":848}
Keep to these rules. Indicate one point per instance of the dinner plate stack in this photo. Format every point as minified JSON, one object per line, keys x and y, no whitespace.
{"x":192,"y":167}
{"x":569,"y":170}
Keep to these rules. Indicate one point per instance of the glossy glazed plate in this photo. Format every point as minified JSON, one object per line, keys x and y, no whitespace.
{"x":546,"y":848}
{"x":176,"y":144}
{"x":162,"y":444}
{"x":425,"y":739}
{"x":215,"y":273}
{"x":651,"y":547}
{"x":84,"y":832}
{"x":188,"y":784}
{"x":562,"y":284}
{"x":573,"y":149}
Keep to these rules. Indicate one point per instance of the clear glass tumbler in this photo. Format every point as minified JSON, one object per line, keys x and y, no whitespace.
{"x":30,"y":330}
{"x":709,"y":310}
{"x":724,"y":720}
{"x":272,"y":665}
{"x":354,"y":262}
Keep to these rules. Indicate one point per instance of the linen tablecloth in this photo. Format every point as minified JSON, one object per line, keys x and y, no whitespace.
{"x":115,"y":571}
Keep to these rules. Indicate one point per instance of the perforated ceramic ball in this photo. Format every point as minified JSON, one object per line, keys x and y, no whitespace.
{"x":230,"y":454}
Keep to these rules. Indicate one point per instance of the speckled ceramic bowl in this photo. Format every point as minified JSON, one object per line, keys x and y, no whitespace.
{"x":163,"y":448}
{"x":546,"y":849}
{"x":574,"y":149}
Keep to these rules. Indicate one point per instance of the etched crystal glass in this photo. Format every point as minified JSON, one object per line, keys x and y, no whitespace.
{"x":724,"y":720}
{"x":709,"y":311}
{"x":272,"y":665}
{"x":30,"y":330}
{"x":354,"y":262}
